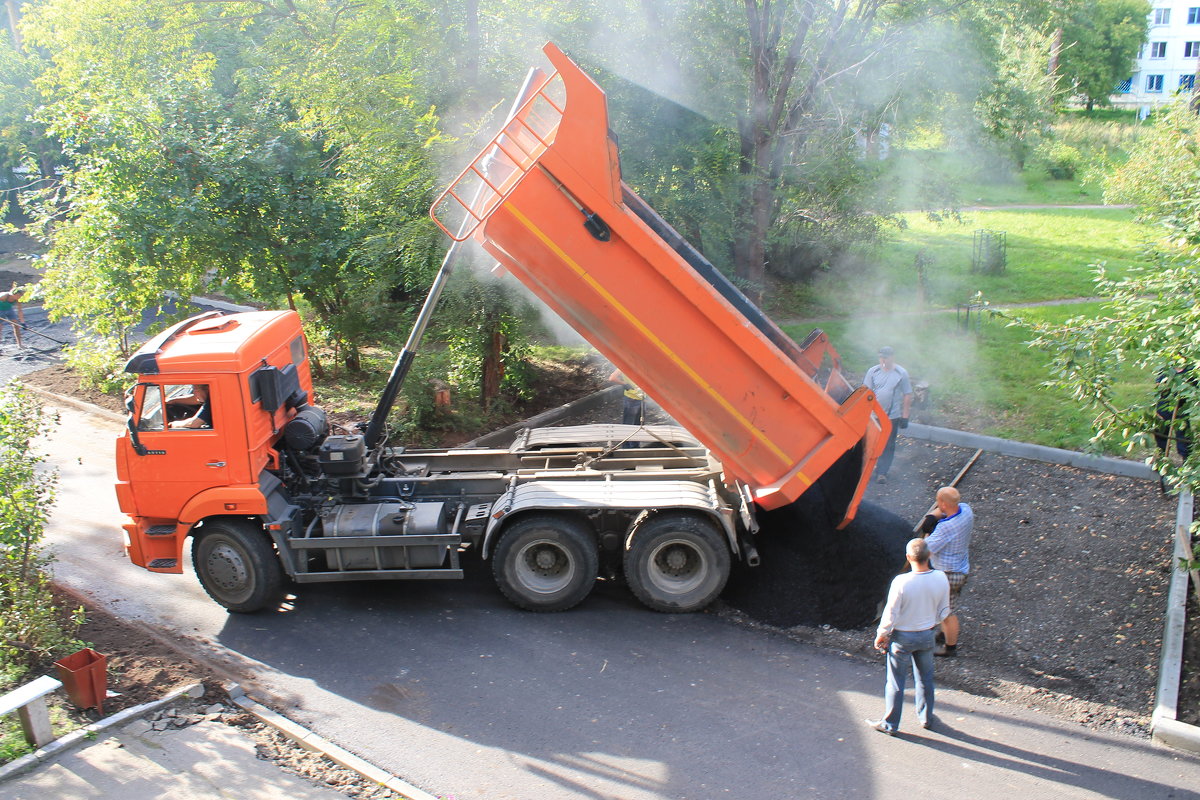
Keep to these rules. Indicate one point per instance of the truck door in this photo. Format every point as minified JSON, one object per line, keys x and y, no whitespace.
{"x":184,"y":449}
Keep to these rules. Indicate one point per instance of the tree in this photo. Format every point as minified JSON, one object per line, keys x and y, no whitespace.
{"x":190,"y":168}
{"x":1149,"y":328}
{"x":1017,"y":106}
{"x":1100,"y":44}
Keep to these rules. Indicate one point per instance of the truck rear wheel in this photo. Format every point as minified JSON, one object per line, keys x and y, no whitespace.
{"x":237,"y":566}
{"x":677,"y":563}
{"x":546,"y":562}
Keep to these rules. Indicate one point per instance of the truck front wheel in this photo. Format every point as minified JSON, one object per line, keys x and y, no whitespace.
{"x":546,"y":562}
{"x":237,"y":566}
{"x":677,"y":563}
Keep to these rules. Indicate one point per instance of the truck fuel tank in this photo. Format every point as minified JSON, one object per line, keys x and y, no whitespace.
{"x":386,"y":519}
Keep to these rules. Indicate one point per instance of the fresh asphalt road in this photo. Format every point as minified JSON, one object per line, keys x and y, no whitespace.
{"x":447,"y":686}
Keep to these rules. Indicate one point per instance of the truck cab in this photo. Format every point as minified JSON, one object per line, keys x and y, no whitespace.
{"x":170,"y":475}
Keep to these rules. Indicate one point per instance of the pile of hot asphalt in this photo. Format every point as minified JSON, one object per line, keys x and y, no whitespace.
{"x":813,"y":574}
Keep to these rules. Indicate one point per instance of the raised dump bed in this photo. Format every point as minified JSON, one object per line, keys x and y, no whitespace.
{"x":545,"y":199}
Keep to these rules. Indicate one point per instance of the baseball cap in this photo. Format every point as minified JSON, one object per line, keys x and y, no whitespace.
{"x":886,"y":351}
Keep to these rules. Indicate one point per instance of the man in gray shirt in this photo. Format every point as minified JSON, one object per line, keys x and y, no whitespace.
{"x":889,"y":381}
{"x":917,"y":601}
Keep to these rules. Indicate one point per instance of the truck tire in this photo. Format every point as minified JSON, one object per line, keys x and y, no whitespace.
{"x":237,"y":566}
{"x":546,"y":562}
{"x":677,"y":563}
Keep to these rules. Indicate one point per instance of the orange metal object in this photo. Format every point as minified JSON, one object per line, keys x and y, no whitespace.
{"x":700,"y":349}
{"x":187,"y":475}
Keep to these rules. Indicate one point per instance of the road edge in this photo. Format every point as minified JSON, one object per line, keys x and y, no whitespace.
{"x":319,"y":744}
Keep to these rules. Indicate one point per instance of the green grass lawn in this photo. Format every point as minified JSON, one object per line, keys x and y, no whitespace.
{"x":929,"y":179}
{"x":983,"y":378}
{"x":1050,"y":253}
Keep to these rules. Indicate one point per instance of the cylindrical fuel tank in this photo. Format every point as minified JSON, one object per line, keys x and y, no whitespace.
{"x":386,"y":519}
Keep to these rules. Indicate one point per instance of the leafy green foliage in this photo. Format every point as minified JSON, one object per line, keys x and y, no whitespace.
{"x":1100,"y":42}
{"x":32,"y":625}
{"x":1151,"y":322}
{"x":207,"y":154}
{"x":1161,"y":175}
{"x":1061,"y":160}
{"x":1018,"y":105}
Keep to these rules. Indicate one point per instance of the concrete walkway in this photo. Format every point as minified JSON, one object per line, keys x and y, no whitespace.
{"x":205,"y":761}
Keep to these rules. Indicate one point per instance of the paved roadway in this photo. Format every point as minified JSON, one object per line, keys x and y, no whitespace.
{"x":447,"y":686}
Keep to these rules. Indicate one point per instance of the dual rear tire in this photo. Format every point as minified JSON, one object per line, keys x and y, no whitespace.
{"x":675,"y":562}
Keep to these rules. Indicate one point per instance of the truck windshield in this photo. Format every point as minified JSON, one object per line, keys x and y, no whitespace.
{"x":178,"y":406}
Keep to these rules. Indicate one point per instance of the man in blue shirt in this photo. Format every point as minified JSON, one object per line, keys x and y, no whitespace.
{"x":949,"y":543}
{"x":893,"y":389}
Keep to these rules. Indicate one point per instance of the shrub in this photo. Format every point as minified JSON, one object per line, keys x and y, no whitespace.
{"x":99,"y":364}
{"x":1062,"y":160}
{"x":33,"y":627}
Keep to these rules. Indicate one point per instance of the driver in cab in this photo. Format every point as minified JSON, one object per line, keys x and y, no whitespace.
{"x":202,"y":418}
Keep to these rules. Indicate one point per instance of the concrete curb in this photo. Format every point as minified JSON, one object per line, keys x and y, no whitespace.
{"x":1165,"y":727}
{"x":1032,"y":452}
{"x":81,"y":405}
{"x":318,"y":744}
{"x":77,"y":737}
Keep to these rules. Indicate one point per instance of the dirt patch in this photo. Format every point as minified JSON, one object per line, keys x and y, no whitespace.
{"x":59,"y":379}
{"x":269,"y":744}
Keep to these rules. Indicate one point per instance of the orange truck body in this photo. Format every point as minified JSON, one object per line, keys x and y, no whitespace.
{"x":776,"y":414}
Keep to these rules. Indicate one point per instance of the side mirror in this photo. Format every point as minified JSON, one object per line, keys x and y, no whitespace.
{"x":133,"y":401}
{"x":266,"y":384}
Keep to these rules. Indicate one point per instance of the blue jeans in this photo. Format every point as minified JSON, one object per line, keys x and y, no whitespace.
{"x":915,"y":647}
{"x":889,"y":450}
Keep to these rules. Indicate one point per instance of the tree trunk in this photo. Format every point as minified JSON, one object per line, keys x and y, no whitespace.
{"x":1056,"y":46}
{"x":493,"y":367}
{"x":14,"y":17}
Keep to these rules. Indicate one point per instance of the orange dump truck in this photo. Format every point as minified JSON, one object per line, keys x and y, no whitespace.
{"x":545,"y":198}
{"x":224,"y":446}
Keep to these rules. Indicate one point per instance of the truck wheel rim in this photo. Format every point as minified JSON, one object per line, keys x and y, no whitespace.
{"x":677,"y":566}
{"x":544,"y":567}
{"x":226,"y":568}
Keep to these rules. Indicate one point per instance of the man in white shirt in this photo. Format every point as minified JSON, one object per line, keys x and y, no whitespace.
{"x":917,"y":601}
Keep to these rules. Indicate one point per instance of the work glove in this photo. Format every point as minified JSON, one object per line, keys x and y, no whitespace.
{"x":902,"y":422}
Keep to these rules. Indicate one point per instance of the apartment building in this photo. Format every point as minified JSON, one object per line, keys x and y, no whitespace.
{"x":1168,"y":60}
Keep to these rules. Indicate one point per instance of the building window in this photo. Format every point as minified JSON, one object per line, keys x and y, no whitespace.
{"x":1194,"y":16}
{"x":1191,"y":49}
{"x":1162,"y":16}
{"x":1158,"y":49}
{"x":1154,"y":83}
{"x":1125,"y":87}
{"x":1187,"y":81}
